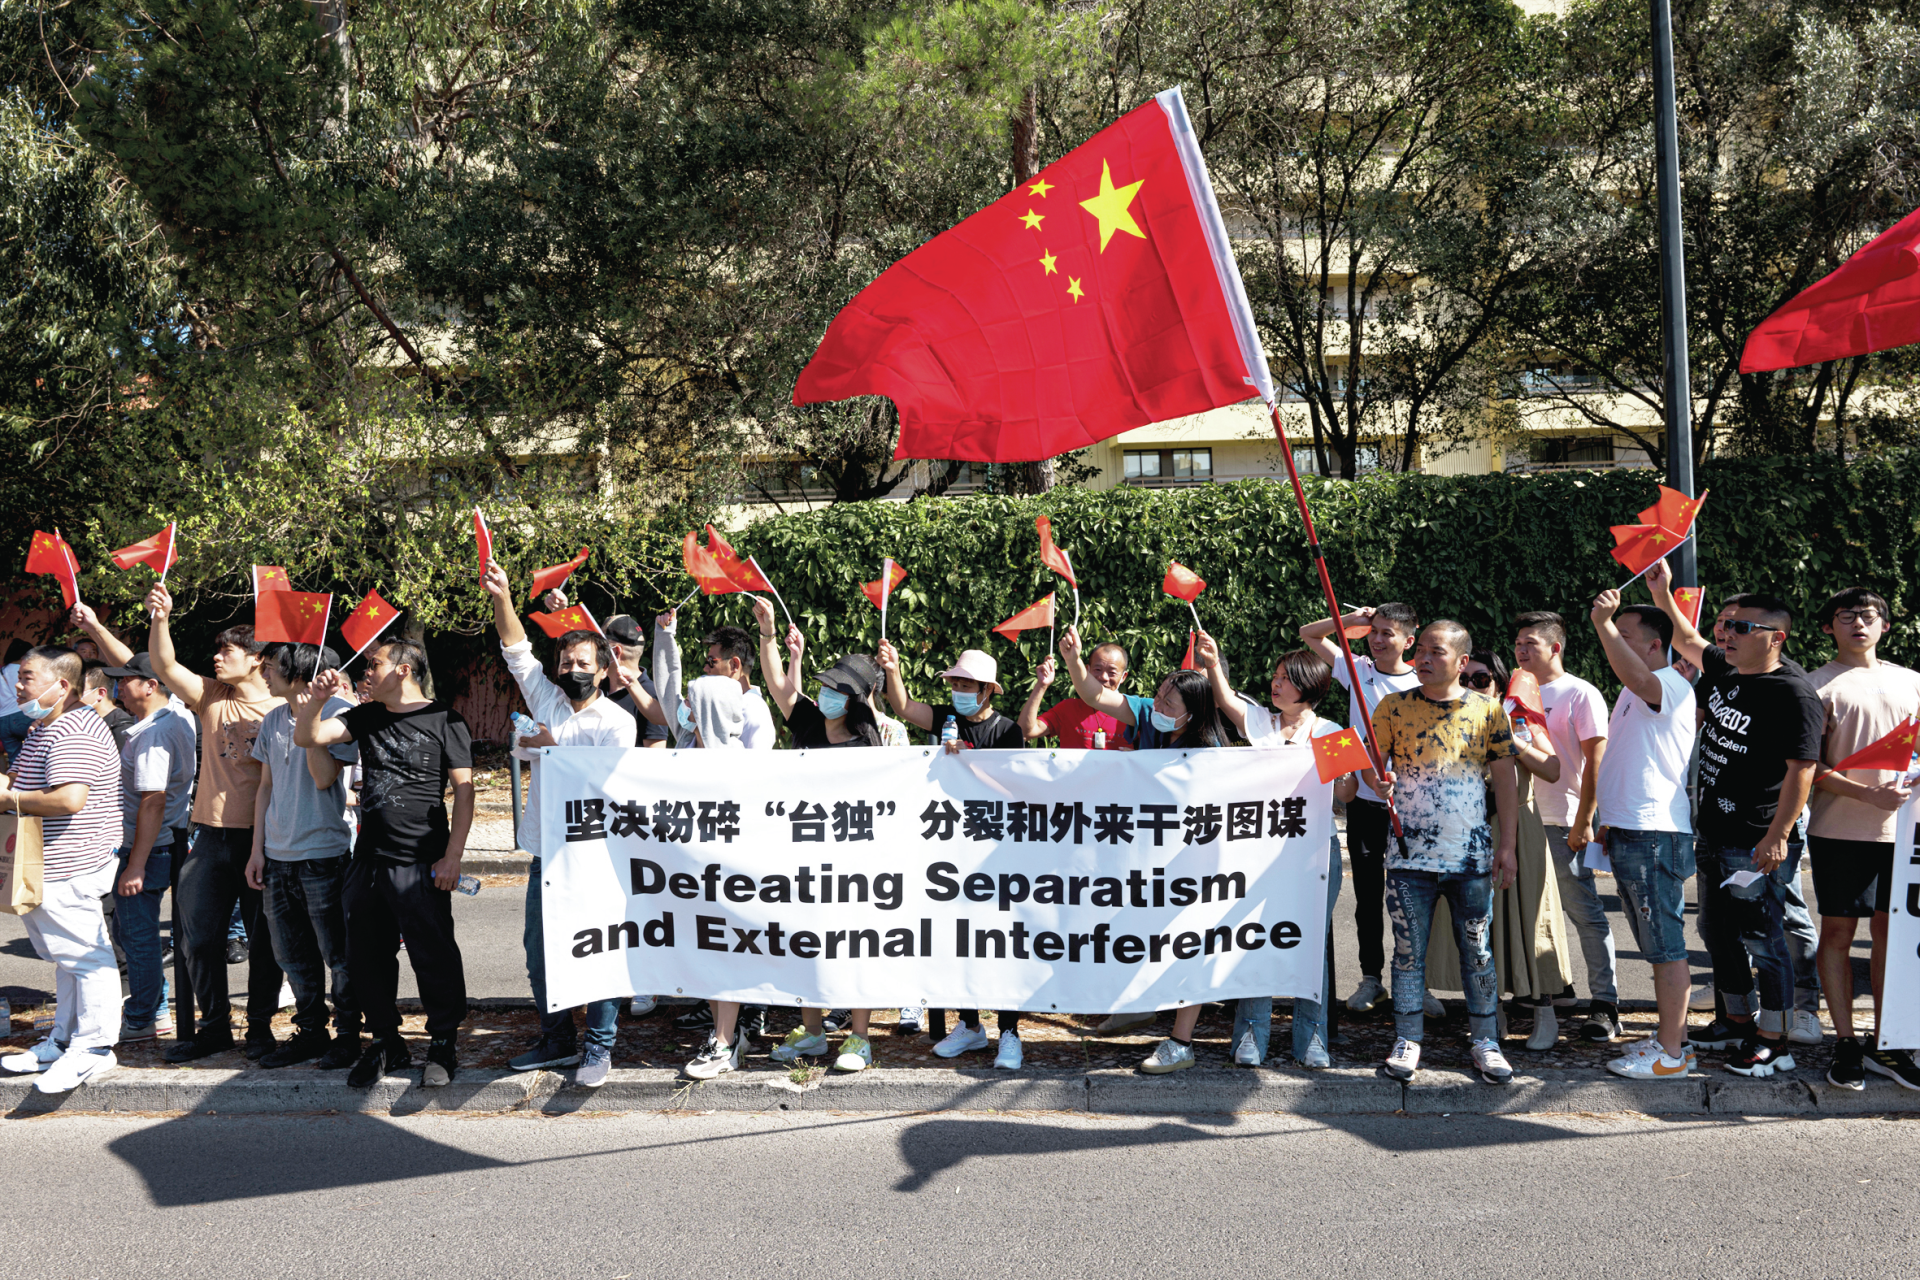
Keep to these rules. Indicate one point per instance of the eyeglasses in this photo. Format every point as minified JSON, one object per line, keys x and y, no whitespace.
{"x":1477,"y":679}
{"x":1847,"y":617}
{"x":1741,"y":627}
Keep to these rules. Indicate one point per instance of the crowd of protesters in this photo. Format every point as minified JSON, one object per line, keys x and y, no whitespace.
{"x":332,"y":818}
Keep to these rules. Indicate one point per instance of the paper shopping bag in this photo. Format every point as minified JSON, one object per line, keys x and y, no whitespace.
{"x":20,"y":864}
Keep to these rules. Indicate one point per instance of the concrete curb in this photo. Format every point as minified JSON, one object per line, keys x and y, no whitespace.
{"x":1197,"y":1091}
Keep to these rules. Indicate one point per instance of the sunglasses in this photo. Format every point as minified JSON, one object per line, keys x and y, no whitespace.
{"x":1477,"y":679}
{"x":1741,"y":627}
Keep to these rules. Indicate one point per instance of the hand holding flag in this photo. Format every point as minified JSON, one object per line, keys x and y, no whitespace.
{"x":880,"y":590}
{"x":369,"y":618}
{"x":482,"y":541}
{"x":1339,"y":753}
{"x":1895,"y":751}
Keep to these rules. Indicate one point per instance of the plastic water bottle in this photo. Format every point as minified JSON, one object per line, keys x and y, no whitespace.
{"x":523,"y":727}
{"x":1521,"y":734}
{"x":468,"y":885}
{"x":950,"y":731}
{"x":1100,"y":738}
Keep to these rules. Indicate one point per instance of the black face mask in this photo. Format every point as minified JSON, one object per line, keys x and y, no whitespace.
{"x":577,"y":685}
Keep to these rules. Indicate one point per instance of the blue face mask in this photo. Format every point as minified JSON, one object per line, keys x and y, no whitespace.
{"x":685,"y":716}
{"x":966,"y":704}
{"x":1164,"y":722}
{"x":833,"y":703}
{"x":34,"y":711}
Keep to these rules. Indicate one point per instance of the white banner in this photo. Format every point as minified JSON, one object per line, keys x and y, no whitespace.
{"x":1900,"y":1009}
{"x":1077,"y":881}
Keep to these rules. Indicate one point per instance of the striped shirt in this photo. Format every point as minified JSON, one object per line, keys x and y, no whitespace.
{"x":77,"y":747}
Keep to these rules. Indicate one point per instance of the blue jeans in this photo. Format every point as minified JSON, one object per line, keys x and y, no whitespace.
{"x":1745,"y":928}
{"x":1580,"y":899}
{"x":1651,"y":869}
{"x":136,"y":927}
{"x":1410,"y":899}
{"x":1255,"y":1013}
{"x":307,"y":920}
{"x":602,"y":1015}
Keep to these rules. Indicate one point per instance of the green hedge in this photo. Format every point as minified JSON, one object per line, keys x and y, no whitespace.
{"x":1475,"y":548}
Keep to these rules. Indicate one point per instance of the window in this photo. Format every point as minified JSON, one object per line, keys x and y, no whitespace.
{"x":1142,"y":465}
{"x":1366,"y":458}
{"x":1168,"y":466}
{"x":1193,"y":464}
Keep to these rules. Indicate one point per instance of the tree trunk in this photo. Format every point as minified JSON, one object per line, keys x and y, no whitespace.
{"x":1023,"y":132}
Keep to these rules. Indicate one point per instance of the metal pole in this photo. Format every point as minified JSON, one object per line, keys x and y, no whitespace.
{"x":1678,"y":387}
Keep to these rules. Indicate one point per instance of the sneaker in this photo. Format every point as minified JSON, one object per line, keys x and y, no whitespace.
{"x":1849,"y":1069}
{"x":594,"y":1066}
{"x":1247,"y":1052}
{"x":441,"y":1063}
{"x":258,"y":1047}
{"x":752,"y":1022}
{"x":1648,"y":1060}
{"x":342,"y":1053}
{"x":1602,"y":1024}
{"x":716,"y":1059}
{"x":286,"y":995}
{"x":385,"y":1055}
{"x":1010,"y":1055}
{"x":204,"y":1045}
{"x":962,"y":1039}
{"x":132,"y":1032}
{"x":1896,"y":1065}
{"x":1169,"y":1055}
{"x":1700,"y":999}
{"x":74,"y":1068}
{"x":1720,"y":1034}
{"x":548,"y":1052}
{"x":304,"y":1046}
{"x":837,"y":1019}
{"x":1546,"y":1029}
{"x":1566,"y":999}
{"x":698,"y":1018}
{"x":799,"y":1042}
{"x":1806,"y":1028}
{"x":856,"y":1054}
{"x":1315,"y":1057}
{"x":1434,"y":1009}
{"x":236,"y":951}
{"x":1125,"y":1022}
{"x":641,"y":1006}
{"x":32,"y":1061}
{"x":1491,"y":1063}
{"x":1367,"y":996}
{"x":1759,"y":1058}
{"x":913,"y":1020}
{"x":163,"y":1024}
{"x":1404,"y":1060}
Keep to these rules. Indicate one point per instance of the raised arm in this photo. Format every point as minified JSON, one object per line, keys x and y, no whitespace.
{"x":505,"y":620}
{"x":1687,"y":640}
{"x":1319,"y":637}
{"x":309,"y":730}
{"x":666,"y":671}
{"x":322,"y":766}
{"x":1232,"y":706}
{"x":1628,"y":667}
{"x":1091,"y":691}
{"x":773,"y":670}
{"x":914,"y":713}
{"x":1030,"y":722}
{"x":110,"y":645}
{"x":187,"y":686}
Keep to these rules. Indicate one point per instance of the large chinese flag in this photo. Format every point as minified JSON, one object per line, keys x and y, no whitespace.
{"x":1870,"y":303}
{"x":297,"y":617}
{"x":1102,"y":295}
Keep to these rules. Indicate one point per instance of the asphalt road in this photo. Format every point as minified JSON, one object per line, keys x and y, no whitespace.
{"x":948,"y":1195}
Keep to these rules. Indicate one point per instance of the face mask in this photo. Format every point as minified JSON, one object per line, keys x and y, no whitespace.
{"x":34,"y":711}
{"x":966,"y":704}
{"x":1164,"y":722}
{"x":684,"y":716}
{"x":577,"y":684}
{"x":833,"y":703}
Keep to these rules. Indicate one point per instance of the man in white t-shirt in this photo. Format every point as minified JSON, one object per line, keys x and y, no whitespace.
{"x":1391,"y":630}
{"x":1577,"y":724}
{"x":730,"y":654}
{"x":1643,"y":816}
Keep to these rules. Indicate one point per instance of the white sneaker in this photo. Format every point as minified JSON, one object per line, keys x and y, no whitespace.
{"x":1404,"y":1060}
{"x":1700,"y":999}
{"x":1648,"y":1060}
{"x":286,"y":995}
{"x":641,"y":1006}
{"x":799,"y":1041}
{"x":1491,"y":1063}
{"x":1247,"y":1052}
{"x":1546,"y":1029}
{"x":1169,"y":1055}
{"x":1315,"y":1057}
{"x":32,"y":1061}
{"x":716,"y":1059}
{"x":163,"y":1021}
{"x":962,"y":1039}
{"x":1011,"y":1056}
{"x":74,"y":1068}
{"x":1367,"y":996}
{"x":913,"y":1019}
{"x":1806,"y":1028}
{"x":856,"y":1054}
{"x":1125,"y":1022}
{"x":1435,"y":1009}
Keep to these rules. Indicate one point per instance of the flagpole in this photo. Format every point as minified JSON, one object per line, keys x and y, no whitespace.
{"x":886,"y":591}
{"x":1196,"y":616}
{"x":1071,"y":576}
{"x":325,"y":619}
{"x":1636,"y":577}
{"x":776,"y":591}
{"x":173,"y":549}
{"x":683,"y":599}
{"x":1333,"y":609}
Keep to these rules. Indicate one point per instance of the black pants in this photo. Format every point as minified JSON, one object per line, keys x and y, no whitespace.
{"x":307,"y":917}
{"x":206,"y":884}
{"x":386,"y":901}
{"x":937,"y":1021}
{"x":1368,"y":831}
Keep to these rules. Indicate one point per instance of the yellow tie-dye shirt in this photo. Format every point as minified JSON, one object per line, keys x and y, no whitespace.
{"x":1439,"y":753}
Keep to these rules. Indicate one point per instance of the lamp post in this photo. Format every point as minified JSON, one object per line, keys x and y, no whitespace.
{"x":1678,"y":385}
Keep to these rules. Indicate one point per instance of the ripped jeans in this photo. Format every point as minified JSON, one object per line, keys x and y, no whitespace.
{"x":1410,"y":899}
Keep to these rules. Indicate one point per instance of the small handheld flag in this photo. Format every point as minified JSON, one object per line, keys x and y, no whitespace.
{"x":1036,"y":615}
{"x":157,"y":553}
{"x":704,"y":569}
{"x":1523,"y":690}
{"x":742,"y":573}
{"x":553,"y":577}
{"x":482,"y":541}
{"x":1689,"y":600}
{"x":1895,"y":751}
{"x":880,"y":590}
{"x":572,"y":618}
{"x":49,"y":553}
{"x":1055,"y":558}
{"x":369,"y":618}
{"x":1183,"y":583}
{"x":294,"y":617}
{"x":269,"y":577}
{"x":1187,"y":663}
{"x":1674,"y":511}
{"x":1339,"y":753}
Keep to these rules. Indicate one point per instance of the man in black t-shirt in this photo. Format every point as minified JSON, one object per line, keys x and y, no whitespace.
{"x":407,"y":860}
{"x":1761,"y":726}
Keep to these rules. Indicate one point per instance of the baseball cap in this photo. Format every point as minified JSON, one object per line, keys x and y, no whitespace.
{"x":622,"y":629}
{"x":139,"y":667}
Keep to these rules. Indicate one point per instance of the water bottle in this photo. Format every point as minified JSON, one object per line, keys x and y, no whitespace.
{"x":950,"y":732}
{"x":468,"y":885}
{"x":523,"y":727}
{"x":1521,"y":734}
{"x":1100,"y":738}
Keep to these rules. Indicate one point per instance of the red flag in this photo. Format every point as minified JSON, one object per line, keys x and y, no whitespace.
{"x":1689,"y":599}
{"x":1102,"y":295}
{"x":482,"y":541}
{"x":1182,"y":583}
{"x":743,"y":575}
{"x":552,"y":577}
{"x":1338,"y":753}
{"x":297,"y":617}
{"x":1523,"y":690}
{"x":572,"y":618}
{"x":885,"y":586}
{"x":1871,"y":303}
{"x":49,"y":553}
{"x":1895,"y":751}
{"x":1037,"y":614}
{"x":1187,"y":663}
{"x":269,"y":577}
{"x":1674,"y":512}
{"x":157,"y":553}
{"x":369,"y":618}
{"x":1639,"y":545}
{"x":705,"y":569}
{"x":1051,"y":556}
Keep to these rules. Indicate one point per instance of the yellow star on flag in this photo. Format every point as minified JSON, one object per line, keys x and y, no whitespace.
{"x":1032,"y":219}
{"x":1047,"y":260}
{"x":1659,"y":537}
{"x":1345,"y":741}
{"x":1040,"y":187}
{"x":1073,"y":287}
{"x":1111,"y":205}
